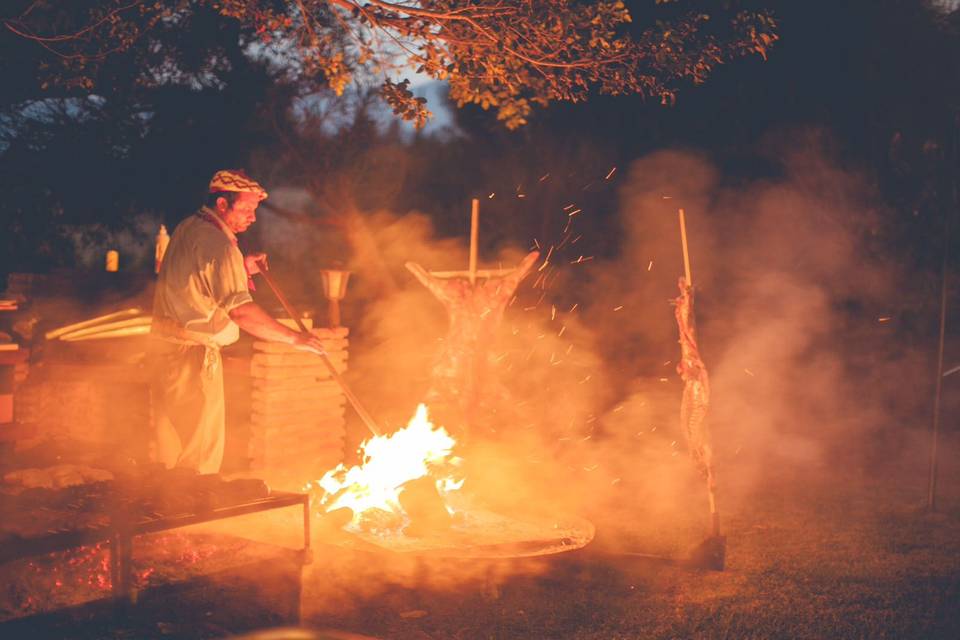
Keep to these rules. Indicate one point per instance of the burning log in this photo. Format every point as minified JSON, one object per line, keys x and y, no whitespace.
{"x":405,"y":498}
{"x":373,"y":489}
{"x":425,"y":507}
{"x":333,"y":521}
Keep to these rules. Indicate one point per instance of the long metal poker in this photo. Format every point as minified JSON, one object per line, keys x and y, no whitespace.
{"x":354,"y":401}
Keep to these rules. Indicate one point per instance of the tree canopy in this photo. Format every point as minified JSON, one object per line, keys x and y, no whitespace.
{"x":508,"y":55}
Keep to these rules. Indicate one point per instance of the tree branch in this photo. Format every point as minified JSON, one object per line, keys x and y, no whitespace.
{"x":73,"y":36}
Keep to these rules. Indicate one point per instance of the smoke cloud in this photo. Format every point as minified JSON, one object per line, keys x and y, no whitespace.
{"x":797,"y":315}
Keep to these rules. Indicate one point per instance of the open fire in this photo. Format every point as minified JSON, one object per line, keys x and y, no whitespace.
{"x":372,"y":490}
{"x":406,"y":496}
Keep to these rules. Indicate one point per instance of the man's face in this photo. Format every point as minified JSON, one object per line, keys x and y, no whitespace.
{"x":241,"y":214}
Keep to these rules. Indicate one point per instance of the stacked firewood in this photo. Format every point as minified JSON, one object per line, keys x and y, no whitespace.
{"x":297,"y":410}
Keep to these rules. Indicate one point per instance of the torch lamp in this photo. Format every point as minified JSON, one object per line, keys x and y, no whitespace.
{"x":335,"y":288}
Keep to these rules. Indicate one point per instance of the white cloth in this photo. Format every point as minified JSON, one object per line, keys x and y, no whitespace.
{"x":188,"y":406}
{"x":201,"y":280}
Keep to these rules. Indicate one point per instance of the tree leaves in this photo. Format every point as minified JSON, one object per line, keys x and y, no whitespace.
{"x":404,"y":103}
{"x":501,"y":54}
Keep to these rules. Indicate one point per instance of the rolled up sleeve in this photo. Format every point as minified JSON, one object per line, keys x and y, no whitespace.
{"x":227,"y":280}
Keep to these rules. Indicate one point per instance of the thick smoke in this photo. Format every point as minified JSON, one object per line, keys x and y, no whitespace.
{"x":790,"y":302}
{"x":793,"y":309}
{"x":793,"y":304}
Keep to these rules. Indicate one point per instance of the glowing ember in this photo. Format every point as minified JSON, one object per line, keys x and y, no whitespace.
{"x":389,"y":462}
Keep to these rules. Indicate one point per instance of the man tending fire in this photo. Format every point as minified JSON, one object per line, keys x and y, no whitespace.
{"x":202,"y":300}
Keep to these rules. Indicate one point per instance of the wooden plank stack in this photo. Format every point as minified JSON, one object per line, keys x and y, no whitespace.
{"x":297,"y":411}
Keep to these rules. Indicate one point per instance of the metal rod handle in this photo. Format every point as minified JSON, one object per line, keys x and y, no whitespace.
{"x":354,"y":401}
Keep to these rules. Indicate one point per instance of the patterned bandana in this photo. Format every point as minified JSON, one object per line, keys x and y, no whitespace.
{"x":235,"y":180}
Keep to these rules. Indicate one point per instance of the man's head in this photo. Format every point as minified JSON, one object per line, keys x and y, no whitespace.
{"x":235,"y":197}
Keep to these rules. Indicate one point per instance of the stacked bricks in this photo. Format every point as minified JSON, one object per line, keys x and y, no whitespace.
{"x":101,"y":404}
{"x":297,"y":411}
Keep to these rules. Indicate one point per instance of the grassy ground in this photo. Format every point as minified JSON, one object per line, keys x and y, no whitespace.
{"x":811,"y":553}
{"x":807,"y":557}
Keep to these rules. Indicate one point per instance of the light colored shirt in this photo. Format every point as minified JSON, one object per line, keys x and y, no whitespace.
{"x":201,"y":280}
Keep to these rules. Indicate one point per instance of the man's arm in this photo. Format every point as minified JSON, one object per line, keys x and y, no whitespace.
{"x":254,"y":320}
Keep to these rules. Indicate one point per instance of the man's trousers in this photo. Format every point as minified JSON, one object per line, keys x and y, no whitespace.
{"x":188,"y":405}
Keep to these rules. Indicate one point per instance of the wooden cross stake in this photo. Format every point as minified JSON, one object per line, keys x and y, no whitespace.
{"x":474,"y":238}
{"x":686,"y":252}
{"x":472,"y":273}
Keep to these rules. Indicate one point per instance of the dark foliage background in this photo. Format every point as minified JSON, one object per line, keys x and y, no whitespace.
{"x":877,"y":83}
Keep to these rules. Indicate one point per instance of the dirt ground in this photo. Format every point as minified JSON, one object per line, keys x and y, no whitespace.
{"x":805,"y":559}
{"x":811,"y":553}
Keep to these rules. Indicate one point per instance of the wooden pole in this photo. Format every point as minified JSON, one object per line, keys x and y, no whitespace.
{"x":686,"y":251}
{"x":126,"y":313}
{"x":333,"y":313}
{"x":714,"y":512}
{"x":937,"y":395}
{"x":938,"y":392}
{"x":474,"y":237}
{"x":711,"y":492}
{"x":140,"y":321}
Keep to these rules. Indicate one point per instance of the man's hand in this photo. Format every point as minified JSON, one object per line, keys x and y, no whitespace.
{"x":254,"y":320}
{"x":309,"y":342}
{"x":254,"y":262}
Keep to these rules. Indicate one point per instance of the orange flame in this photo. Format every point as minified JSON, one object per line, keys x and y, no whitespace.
{"x":388,"y":462}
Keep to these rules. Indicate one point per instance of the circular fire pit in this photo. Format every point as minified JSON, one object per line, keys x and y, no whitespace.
{"x":479,"y":533}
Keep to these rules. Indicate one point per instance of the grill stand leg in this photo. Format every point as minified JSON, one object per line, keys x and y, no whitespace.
{"x":121,"y":578}
{"x":307,"y":550}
